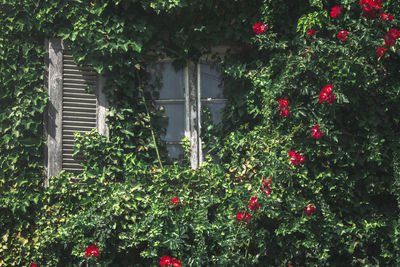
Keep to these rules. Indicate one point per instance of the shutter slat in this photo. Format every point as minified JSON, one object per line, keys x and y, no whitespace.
{"x":68,"y":95}
{"x":79,"y":108}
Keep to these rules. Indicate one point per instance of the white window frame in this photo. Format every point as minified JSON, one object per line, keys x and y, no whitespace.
{"x":192,"y":109}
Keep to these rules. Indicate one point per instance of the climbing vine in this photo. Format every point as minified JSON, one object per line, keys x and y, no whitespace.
{"x":313,"y":89}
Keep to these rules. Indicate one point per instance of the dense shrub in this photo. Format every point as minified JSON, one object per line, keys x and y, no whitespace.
{"x":337,"y":206}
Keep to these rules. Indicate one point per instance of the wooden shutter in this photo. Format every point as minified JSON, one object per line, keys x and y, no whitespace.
{"x":79,"y":107}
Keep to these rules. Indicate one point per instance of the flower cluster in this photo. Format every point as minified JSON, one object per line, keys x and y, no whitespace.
{"x":389,"y":40}
{"x":284,"y":107}
{"x":310,"y":209}
{"x":316,"y":133}
{"x":370,"y":7}
{"x":253,"y":204}
{"x":92,"y":251}
{"x":327,"y":95}
{"x":335,"y":11}
{"x":259,"y":28}
{"x":296,"y":158}
{"x":239,"y":217}
{"x":175,"y":201}
{"x":265,"y":186}
{"x":343,"y":35}
{"x":168,"y":261}
{"x":386,"y":17}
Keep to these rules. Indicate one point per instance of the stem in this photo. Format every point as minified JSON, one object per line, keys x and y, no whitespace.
{"x":152,"y":132}
{"x":151,"y":128}
{"x":247,"y":248}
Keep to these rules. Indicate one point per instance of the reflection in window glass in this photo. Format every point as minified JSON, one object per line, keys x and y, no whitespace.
{"x":211,"y":83}
{"x":176,"y":121}
{"x":172,"y":83}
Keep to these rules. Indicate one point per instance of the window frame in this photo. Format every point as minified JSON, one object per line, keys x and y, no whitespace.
{"x":192,"y":108}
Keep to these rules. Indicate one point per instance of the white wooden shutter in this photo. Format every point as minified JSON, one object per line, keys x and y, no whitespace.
{"x":79,"y":107}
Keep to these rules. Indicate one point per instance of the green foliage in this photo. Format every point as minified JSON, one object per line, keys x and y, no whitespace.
{"x":122,"y":199}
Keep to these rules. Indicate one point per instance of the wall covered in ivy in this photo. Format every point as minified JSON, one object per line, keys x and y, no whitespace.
{"x":308,"y":150}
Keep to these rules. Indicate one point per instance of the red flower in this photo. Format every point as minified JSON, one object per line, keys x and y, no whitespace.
{"x":239,"y":216}
{"x":247,"y":218}
{"x":316,"y":133}
{"x":165,"y":260}
{"x":327,"y":95}
{"x":284,"y":112}
{"x":394,"y":33}
{"x":283,"y":103}
{"x":265,"y":183}
{"x":389,"y":41}
{"x":33,"y":265}
{"x":265,"y":187}
{"x":386,"y":17}
{"x":343,"y":35}
{"x":259,"y":28}
{"x":311,"y":32}
{"x":310,"y":209}
{"x":335,"y":11}
{"x":370,"y":7}
{"x":296,"y":158}
{"x":175,"y":201}
{"x":283,"y":106}
{"x":253,"y":204}
{"x":91,"y":251}
{"x":381,"y":51}
{"x":176,"y":263}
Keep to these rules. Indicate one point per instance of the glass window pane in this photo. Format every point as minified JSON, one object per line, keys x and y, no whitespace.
{"x":172,"y":81}
{"x":211,"y":82}
{"x":176,"y":121}
{"x":174,"y":151}
{"x":216,"y":110}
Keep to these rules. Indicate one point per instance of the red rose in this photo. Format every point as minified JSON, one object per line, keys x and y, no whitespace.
{"x":389,"y":41}
{"x":296,"y":158}
{"x":316,"y":133}
{"x":284,"y":112}
{"x":165,"y":260}
{"x":381,"y":51}
{"x":335,"y":11}
{"x":239,"y":216}
{"x":309,"y":209}
{"x":247,"y":218}
{"x":176,"y":263}
{"x":283,"y":106}
{"x":311,"y":32}
{"x":343,"y":35}
{"x":259,"y":28}
{"x":283,"y":103}
{"x":265,"y":187}
{"x":370,"y":7}
{"x":265,"y":183}
{"x":253,"y":204}
{"x":394,"y":33}
{"x":175,"y":201}
{"x":386,"y":17}
{"x":33,"y":265}
{"x":327,"y":95}
{"x":91,"y":251}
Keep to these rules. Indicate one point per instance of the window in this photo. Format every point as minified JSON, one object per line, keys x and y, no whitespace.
{"x":76,"y":104}
{"x":183,"y":93}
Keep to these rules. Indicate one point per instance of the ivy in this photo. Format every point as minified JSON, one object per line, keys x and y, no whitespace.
{"x":121,"y":202}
